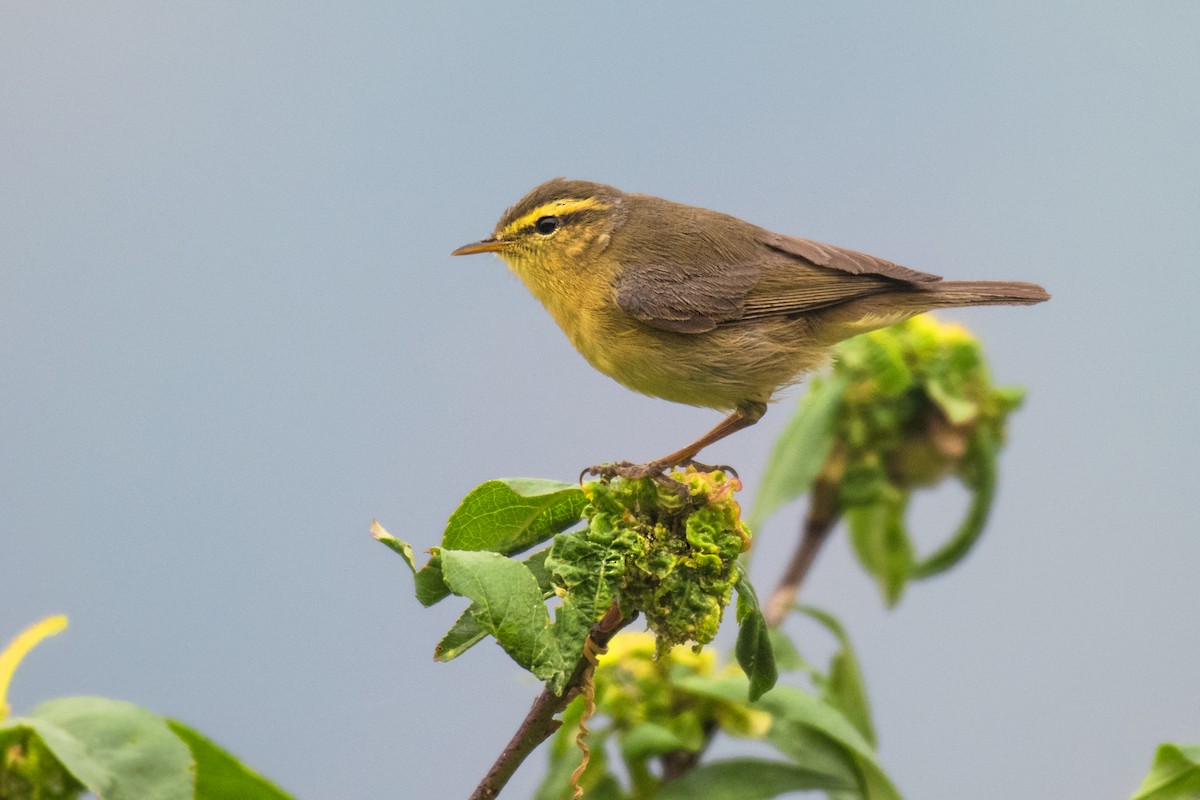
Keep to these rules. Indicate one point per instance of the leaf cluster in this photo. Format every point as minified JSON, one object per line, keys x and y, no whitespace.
{"x":668,"y":551}
{"x":117,"y":751}
{"x":904,"y":408}
{"x":680,"y":550}
{"x":659,"y":709}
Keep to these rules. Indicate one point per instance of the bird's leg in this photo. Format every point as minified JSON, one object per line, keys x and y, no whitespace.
{"x":746,"y":415}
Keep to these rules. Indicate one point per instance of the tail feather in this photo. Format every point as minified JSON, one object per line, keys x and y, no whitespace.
{"x":889,"y":307}
{"x":947,"y":294}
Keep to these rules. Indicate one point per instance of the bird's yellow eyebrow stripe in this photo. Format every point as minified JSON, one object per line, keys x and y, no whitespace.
{"x":556,"y":208}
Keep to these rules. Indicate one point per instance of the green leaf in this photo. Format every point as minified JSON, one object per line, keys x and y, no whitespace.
{"x":798,"y":707}
{"x":863,"y":484}
{"x":800,"y":451}
{"x":589,"y":570}
{"x":537,"y":565}
{"x":219,"y":774}
{"x":429,"y":585}
{"x":843,"y":688}
{"x":887,"y":364}
{"x":467,"y":632}
{"x":503,"y":516}
{"x":512,"y":515}
{"x":650,"y":739}
{"x":1008,"y":398}
{"x":116,"y":749}
{"x":746,"y":779}
{"x":959,"y":410}
{"x":1174,"y":775}
{"x":881,"y":541}
{"x":403,"y":548}
{"x":981,"y":454}
{"x":507,"y":602}
{"x":817,"y":752}
{"x":753,"y":649}
{"x":791,"y":706}
{"x":29,"y":768}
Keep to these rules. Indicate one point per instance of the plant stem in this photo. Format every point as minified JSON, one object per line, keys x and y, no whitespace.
{"x":540,"y":723}
{"x":822,"y":515}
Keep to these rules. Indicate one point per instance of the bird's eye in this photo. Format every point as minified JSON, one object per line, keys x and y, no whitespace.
{"x":547,"y":225}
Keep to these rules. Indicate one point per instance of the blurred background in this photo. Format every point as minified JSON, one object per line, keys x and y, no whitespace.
{"x":231,"y":334}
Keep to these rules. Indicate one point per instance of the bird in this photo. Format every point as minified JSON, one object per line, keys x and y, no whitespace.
{"x":702,"y":308}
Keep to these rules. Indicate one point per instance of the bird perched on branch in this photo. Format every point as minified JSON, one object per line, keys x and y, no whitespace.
{"x":700,"y":307}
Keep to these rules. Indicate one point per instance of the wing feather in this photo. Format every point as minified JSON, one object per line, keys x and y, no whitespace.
{"x":839,"y":258}
{"x":784,"y":277}
{"x":684,"y":298}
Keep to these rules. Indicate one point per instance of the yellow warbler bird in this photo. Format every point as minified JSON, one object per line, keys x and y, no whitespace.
{"x":702,"y":308}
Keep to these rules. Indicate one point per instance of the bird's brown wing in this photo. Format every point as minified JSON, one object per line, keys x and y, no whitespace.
{"x":684,"y":298}
{"x":788,"y":277}
{"x":797,"y":289}
{"x":800,"y":276}
{"x":838,"y":258}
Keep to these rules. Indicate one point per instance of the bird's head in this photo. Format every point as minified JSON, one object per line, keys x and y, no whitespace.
{"x":558,"y":225}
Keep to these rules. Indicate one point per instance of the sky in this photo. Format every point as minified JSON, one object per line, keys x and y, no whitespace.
{"x":231,"y":334}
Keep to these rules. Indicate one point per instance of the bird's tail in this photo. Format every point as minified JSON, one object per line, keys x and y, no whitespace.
{"x":889,"y":307}
{"x":948,"y":294}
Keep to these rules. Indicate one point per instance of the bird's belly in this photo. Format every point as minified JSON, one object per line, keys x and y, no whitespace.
{"x":721,"y":369}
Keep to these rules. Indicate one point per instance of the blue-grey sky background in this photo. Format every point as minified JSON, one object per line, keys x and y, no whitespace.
{"x":231,"y":333}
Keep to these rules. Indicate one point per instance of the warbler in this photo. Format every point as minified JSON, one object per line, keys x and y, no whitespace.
{"x":700,"y":307}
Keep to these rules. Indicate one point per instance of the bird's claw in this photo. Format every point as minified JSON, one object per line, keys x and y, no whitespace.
{"x":714,"y":468}
{"x":651,"y":469}
{"x":625,"y":469}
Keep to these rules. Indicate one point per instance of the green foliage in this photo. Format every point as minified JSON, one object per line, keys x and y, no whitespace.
{"x":812,"y":733}
{"x":501,"y":516}
{"x":506,"y":603}
{"x":667,"y":706}
{"x":754,"y":651}
{"x":842,"y":686}
{"x":648,"y":716}
{"x":510,"y":516}
{"x":801,"y":449}
{"x":117,"y":751}
{"x":748,"y":779}
{"x":466,"y":631}
{"x":680,"y":551}
{"x":29,"y":769}
{"x":666,"y":550}
{"x":904,"y":408}
{"x":112,"y":749}
{"x":219,"y":774}
{"x":1174,"y":775}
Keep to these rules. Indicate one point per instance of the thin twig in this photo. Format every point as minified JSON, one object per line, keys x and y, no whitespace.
{"x":822,"y":516}
{"x":540,"y":723}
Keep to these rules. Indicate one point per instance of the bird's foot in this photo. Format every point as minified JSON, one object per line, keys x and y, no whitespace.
{"x":626,"y":469}
{"x":712,"y":468}
{"x":651,"y":469}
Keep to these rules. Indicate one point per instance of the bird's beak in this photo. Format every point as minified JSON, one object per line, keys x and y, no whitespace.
{"x":492,"y":245}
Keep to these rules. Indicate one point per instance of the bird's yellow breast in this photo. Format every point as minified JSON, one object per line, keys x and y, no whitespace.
{"x":721,"y":369}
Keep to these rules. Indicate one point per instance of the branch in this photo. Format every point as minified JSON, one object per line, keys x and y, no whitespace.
{"x":822,"y":515}
{"x":540,"y":723}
